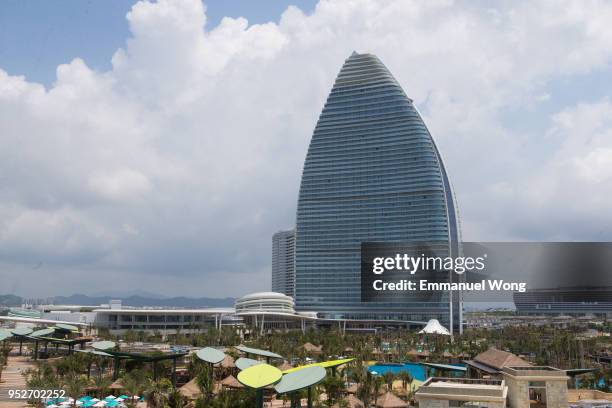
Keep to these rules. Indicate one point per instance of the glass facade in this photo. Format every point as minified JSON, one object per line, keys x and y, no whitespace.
{"x":372,"y":174}
{"x":283,"y":262}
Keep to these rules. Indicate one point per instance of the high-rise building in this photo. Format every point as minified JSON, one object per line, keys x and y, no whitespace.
{"x":372,"y":174}
{"x":283,"y":257}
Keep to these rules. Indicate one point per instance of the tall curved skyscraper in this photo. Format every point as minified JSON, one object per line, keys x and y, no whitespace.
{"x":372,"y":174}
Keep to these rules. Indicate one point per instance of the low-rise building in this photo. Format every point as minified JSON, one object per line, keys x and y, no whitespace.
{"x":459,"y":392}
{"x":489,"y":364}
{"x":536,"y":386}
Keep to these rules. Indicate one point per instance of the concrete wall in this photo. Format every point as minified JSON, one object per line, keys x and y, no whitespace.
{"x":518,"y":393}
{"x":440,"y":403}
{"x":556,"y":394}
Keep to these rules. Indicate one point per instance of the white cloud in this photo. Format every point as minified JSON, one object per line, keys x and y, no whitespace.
{"x":120,"y":184}
{"x":185,"y":157}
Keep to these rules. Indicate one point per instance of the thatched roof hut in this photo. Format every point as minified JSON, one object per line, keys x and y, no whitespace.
{"x":191,"y":390}
{"x":117,"y":385}
{"x":311,"y":348}
{"x":231,"y":382}
{"x":228,"y":362}
{"x":353,"y":402}
{"x":389,"y":400}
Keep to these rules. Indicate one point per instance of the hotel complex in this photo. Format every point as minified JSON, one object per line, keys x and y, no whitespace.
{"x":372,"y":174}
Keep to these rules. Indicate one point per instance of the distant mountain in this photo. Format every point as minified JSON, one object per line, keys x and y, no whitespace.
{"x":10,"y":300}
{"x":136,"y":301}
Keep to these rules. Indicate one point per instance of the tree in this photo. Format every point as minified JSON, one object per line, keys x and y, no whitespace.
{"x":74,"y":384}
{"x":176,"y":399}
{"x":333,"y":388}
{"x":389,"y":377}
{"x":133,"y":384}
{"x":155,"y":393}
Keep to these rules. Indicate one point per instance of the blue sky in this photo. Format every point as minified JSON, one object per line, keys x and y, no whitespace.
{"x":38,"y":35}
{"x":164,"y":156}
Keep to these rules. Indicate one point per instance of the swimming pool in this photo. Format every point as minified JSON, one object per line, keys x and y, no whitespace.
{"x":416,"y":370}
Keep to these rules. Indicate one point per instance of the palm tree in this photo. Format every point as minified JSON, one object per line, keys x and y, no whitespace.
{"x":378,"y":383}
{"x":406,"y":380}
{"x":155,"y":393}
{"x":2,"y":362}
{"x":101,"y":383}
{"x":74,"y":384}
{"x":133,"y":384}
{"x":388,"y":378}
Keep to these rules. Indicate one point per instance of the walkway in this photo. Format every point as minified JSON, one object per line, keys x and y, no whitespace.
{"x":13,"y":380}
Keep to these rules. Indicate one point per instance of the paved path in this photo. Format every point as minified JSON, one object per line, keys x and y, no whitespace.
{"x":13,"y":380}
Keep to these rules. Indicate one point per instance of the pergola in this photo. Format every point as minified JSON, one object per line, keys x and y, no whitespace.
{"x":107,"y":349}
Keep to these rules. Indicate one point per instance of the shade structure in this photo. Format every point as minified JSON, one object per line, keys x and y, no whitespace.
{"x":389,"y":400}
{"x":258,"y":352}
{"x":259,"y":376}
{"x":231,"y":382}
{"x":228,"y":362}
{"x":43,"y":332}
{"x":103,"y":345}
{"x":21,"y":331}
{"x":66,"y":327}
{"x":210,"y":355}
{"x":324,"y":364}
{"x":300,"y":379}
{"x":434,"y":327}
{"x":445,"y":367}
{"x":5,"y":334}
{"x":353,"y":402}
{"x":311,"y":348}
{"x":191,"y":390}
{"x":243,"y":363}
{"x":96,"y":352}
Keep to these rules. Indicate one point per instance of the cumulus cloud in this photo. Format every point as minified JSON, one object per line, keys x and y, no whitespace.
{"x":179,"y":163}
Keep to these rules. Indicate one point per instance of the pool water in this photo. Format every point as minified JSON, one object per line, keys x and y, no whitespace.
{"x":416,"y":370}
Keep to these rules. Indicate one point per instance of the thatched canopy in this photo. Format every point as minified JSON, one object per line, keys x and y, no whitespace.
{"x":231,"y":382}
{"x":389,"y":400}
{"x":191,"y":390}
{"x":117,"y":385}
{"x":353,"y":402}
{"x":311,"y":348}
{"x":228,"y":362}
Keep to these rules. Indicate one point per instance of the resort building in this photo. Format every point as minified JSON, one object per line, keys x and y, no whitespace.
{"x":270,"y":310}
{"x":536,"y":386}
{"x":462,"y":392}
{"x":490,"y":364}
{"x":164,"y":321}
{"x":283,"y":262}
{"x":585,"y":301}
{"x":372,"y":174}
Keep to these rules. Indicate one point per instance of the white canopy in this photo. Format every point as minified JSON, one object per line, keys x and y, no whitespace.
{"x":434,"y":327}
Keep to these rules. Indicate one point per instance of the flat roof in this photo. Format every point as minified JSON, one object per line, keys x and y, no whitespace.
{"x":463,"y":389}
{"x":167,"y":311}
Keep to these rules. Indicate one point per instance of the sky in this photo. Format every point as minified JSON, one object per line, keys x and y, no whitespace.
{"x":157,"y":146}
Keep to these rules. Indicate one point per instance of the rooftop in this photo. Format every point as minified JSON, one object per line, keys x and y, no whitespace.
{"x":499,"y":359}
{"x":463,"y":389}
